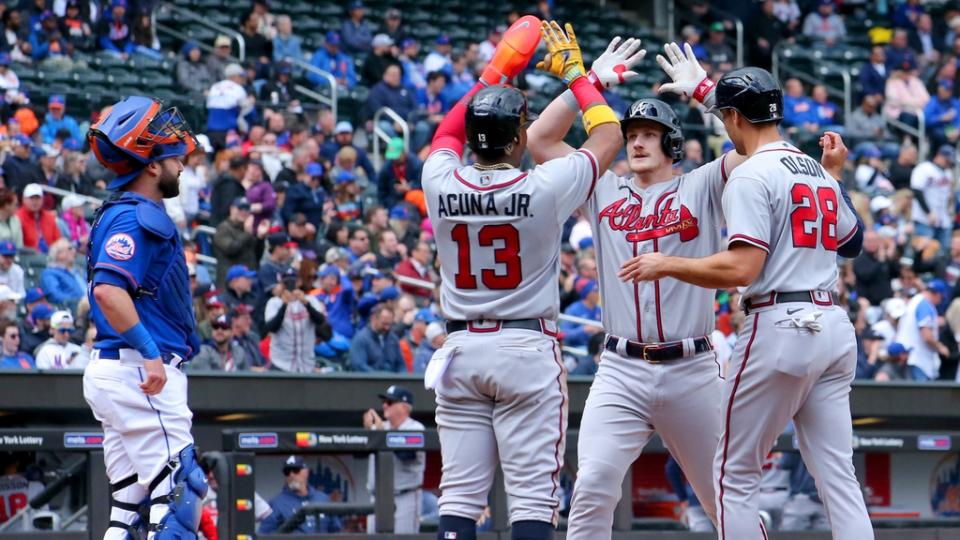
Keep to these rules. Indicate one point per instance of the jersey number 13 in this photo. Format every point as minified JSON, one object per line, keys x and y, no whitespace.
{"x":821,"y":207}
{"x":508,"y":254}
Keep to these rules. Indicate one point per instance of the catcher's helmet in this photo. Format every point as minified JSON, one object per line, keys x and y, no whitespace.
{"x":494,"y":117}
{"x":661,"y":113}
{"x":753,"y":93}
{"x":138,"y":131}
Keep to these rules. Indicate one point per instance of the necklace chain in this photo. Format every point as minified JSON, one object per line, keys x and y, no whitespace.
{"x":494,"y":167}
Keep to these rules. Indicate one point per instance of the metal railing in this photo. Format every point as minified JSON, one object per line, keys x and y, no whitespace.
{"x":379,"y":134}
{"x":784,"y":51}
{"x":232,"y":34}
{"x":919,"y":132}
{"x":330,"y":101}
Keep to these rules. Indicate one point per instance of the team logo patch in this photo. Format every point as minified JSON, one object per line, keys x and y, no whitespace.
{"x":121,"y":247}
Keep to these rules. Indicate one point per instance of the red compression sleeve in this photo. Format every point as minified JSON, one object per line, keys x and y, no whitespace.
{"x":587,"y":95}
{"x":452,"y":132}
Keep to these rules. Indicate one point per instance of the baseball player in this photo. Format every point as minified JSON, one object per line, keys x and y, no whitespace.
{"x":408,"y":465}
{"x":500,"y":383}
{"x":658,"y":343}
{"x":140,"y":301}
{"x":787,"y":220}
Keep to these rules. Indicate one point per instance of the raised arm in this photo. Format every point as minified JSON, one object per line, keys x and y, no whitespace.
{"x":545,"y":135}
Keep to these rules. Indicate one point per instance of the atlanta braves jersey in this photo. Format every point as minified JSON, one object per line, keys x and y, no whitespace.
{"x":498,"y":233}
{"x":682,"y":218}
{"x":783,"y":201}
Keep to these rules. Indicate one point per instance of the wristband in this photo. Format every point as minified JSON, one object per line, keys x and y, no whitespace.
{"x":138,"y":338}
{"x":704,"y":91}
{"x":598,"y":114}
{"x":595,"y":80}
{"x":587,"y":96}
{"x":570,"y":101}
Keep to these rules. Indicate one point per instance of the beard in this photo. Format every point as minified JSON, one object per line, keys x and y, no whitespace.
{"x":169,"y":185}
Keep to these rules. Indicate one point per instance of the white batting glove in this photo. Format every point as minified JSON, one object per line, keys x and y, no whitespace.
{"x":689,"y":79}
{"x":613,"y":66}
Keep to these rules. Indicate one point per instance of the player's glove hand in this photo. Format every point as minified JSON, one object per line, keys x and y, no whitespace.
{"x":563,"y":57}
{"x":613,"y":66}
{"x":689,"y":79}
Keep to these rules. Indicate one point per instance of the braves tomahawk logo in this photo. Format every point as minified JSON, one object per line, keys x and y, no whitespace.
{"x":623,"y":215}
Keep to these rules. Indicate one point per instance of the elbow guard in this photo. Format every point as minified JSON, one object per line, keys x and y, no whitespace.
{"x":851,"y":249}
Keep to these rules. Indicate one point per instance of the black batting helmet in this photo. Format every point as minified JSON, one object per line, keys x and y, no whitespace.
{"x":494,"y":117}
{"x":661,"y":113}
{"x":753,"y":93}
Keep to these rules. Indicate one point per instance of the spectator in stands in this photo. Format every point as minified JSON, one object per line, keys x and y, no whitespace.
{"x":222,"y":352}
{"x":278,"y":91}
{"x":933,"y":200}
{"x":257,"y":47}
{"x":220,"y":59}
{"x":489,"y":45}
{"x":692,"y":155}
{"x":75,"y":26}
{"x":11,"y":274}
{"x":895,"y":367}
{"x":377,"y":60}
{"x":18,"y":169}
{"x":297,"y":492}
{"x":338,"y":300}
{"x":719,"y":54}
{"x":9,"y":82}
{"x":392,"y":21}
{"x":346,"y":196}
{"x":413,"y":74}
{"x":342,"y":138}
{"x":286,"y":46}
{"x":390,"y":93}
{"x":277,"y":261}
{"x":886,"y":328}
{"x":873,"y":74}
{"x":399,"y":175}
{"x":375,"y":347}
{"x":389,"y":250}
{"x":432,"y":104}
{"x":39,"y":328}
{"x":356,"y":32}
{"x":418,"y":266}
{"x":144,"y":38}
{"x":239,"y":287}
{"x":875,"y":267}
{"x":192,"y":74}
{"x":588,"y":307}
{"x":381,"y":290}
{"x":228,"y":105}
{"x":10,"y":229}
{"x":59,"y":352}
{"x":63,"y":283}
{"x":47,"y":44}
{"x":941,"y":115}
{"x":329,"y":58}
{"x":234,"y":242}
{"x":925,"y":40}
{"x":241,"y":321}
{"x":907,"y":14}
{"x":905,"y":93}
{"x":293,"y":319}
{"x":433,"y":339}
{"x":798,"y":110}
{"x":114,"y":32}
{"x":866,"y":123}
{"x":227,"y":188}
{"x":12,"y":357}
{"x":13,"y":32}
{"x":259,"y":192}
{"x":826,"y":113}
{"x":871,"y":172}
{"x":306,"y":196}
{"x":439,"y":58}
{"x":40,"y":229}
{"x":823,"y":25}
{"x":919,"y":331}
{"x":902,"y":168}
{"x":57,"y":119}
{"x":899,"y":50}
{"x":769,"y":31}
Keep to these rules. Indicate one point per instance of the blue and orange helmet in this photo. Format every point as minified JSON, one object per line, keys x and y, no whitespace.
{"x":138,"y":131}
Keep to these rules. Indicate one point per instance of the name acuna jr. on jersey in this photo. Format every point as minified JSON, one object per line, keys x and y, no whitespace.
{"x":483,"y":204}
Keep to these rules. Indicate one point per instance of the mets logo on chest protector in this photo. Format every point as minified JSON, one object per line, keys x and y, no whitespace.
{"x":120,"y":247}
{"x":669,"y":216}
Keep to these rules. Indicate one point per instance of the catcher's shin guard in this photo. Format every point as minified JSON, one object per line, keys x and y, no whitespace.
{"x":175,"y":515}
{"x":128,"y":499}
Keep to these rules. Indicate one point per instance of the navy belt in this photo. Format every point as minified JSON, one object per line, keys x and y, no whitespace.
{"x":483,"y":327}
{"x":820,"y":298}
{"x":657,"y":352}
{"x":168,"y":358}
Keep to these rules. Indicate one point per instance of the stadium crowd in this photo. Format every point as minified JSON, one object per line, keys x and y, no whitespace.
{"x":326,"y":262}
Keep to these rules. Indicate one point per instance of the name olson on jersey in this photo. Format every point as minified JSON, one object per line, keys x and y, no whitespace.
{"x":802,"y":165}
{"x":483,"y":204}
{"x":621,"y":216}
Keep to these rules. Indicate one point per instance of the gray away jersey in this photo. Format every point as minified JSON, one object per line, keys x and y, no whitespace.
{"x":498,"y":233}
{"x":783,"y":201}
{"x":681,"y":218}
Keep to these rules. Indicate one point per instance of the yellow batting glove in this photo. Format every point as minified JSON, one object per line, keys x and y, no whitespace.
{"x":563,"y":57}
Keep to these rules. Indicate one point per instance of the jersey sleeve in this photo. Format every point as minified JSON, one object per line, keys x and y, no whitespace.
{"x":919,"y":178}
{"x":571,"y":179}
{"x":926,"y":315}
{"x":124,"y":254}
{"x":439,"y":164}
{"x":746,"y":206}
{"x":847,"y":222}
{"x":708,"y":181}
